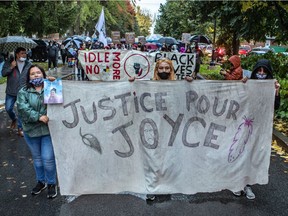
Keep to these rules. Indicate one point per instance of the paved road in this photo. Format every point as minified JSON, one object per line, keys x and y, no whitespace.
{"x":17,"y":179}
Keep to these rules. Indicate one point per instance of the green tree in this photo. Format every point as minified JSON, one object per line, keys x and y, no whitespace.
{"x":235,"y":20}
{"x":35,"y":17}
{"x":144,"y":21}
{"x":75,"y":17}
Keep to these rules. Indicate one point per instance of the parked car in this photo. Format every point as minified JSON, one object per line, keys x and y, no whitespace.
{"x":261,"y":50}
{"x":39,"y":53}
{"x":219,"y":54}
{"x":244,"y":50}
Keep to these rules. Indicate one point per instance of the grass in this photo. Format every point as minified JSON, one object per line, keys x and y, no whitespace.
{"x":2,"y":80}
{"x":211,"y":72}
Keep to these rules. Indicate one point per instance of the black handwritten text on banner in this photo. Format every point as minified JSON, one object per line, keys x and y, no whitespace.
{"x":162,"y":137}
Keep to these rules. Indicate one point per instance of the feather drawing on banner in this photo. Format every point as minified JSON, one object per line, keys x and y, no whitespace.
{"x":240,"y":139}
{"x":91,"y":141}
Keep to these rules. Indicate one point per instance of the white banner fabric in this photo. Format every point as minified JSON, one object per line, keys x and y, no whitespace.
{"x":115,"y":65}
{"x":157,"y":137}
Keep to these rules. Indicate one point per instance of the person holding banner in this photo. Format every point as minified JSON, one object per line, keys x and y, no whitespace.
{"x":163,"y":70}
{"x":262,"y":70}
{"x":33,"y":113}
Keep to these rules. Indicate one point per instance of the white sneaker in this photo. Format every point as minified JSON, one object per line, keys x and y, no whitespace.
{"x":150,"y":197}
{"x":237,"y":193}
{"x":249,"y":193}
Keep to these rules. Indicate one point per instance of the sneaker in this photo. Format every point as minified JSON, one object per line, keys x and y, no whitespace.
{"x":52,"y":191}
{"x":237,"y":193}
{"x":38,"y":188}
{"x":150,"y":197}
{"x":249,"y":193}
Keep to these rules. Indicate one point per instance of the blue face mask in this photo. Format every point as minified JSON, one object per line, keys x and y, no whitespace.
{"x":261,"y":76}
{"x":37,"y":82}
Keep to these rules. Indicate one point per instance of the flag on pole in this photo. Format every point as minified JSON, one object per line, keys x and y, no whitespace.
{"x":100,"y":27}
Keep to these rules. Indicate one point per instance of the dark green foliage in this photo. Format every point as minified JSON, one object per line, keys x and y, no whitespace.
{"x":77,"y":17}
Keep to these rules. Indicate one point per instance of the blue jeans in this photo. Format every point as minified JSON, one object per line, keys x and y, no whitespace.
{"x":9,"y":107}
{"x":43,"y":158}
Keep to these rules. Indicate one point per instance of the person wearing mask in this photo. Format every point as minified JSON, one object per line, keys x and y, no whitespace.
{"x":15,"y":69}
{"x":163,"y":70}
{"x":33,"y":112}
{"x":262,"y":70}
{"x":235,"y":72}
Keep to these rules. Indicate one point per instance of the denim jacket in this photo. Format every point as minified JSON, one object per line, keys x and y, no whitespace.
{"x":30,"y":105}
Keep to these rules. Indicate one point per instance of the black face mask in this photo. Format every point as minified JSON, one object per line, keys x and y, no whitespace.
{"x":163,"y":75}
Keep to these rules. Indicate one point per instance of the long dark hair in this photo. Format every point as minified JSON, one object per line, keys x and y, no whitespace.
{"x":28,"y":84}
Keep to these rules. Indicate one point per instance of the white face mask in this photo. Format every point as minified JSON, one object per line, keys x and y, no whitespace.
{"x":22,"y":59}
{"x":261,"y":76}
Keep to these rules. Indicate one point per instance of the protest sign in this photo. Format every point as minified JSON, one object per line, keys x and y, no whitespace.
{"x":115,"y":35}
{"x":142,"y":39}
{"x":186,"y":38}
{"x":53,"y":91}
{"x":162,"y":137}
{"x":112,"y":65}
{"x":130,"y":37}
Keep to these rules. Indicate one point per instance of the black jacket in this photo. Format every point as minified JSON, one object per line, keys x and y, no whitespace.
{"x":268,"y":69}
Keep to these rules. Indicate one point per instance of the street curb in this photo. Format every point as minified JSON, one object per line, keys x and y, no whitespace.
{"x":281,"y":139}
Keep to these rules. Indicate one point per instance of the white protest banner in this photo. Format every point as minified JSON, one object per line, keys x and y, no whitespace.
{"x":162,"y":137}
{"x":111,"y":65}
{"x":186,"y":38}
